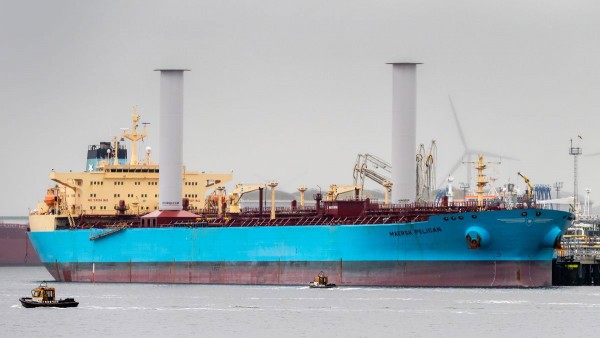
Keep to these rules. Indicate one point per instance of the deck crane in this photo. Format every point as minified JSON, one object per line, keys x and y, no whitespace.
{"x":530,"y":191}
{"x":430,"y":171}
{"x":237,"y":193}
{"x":366,"y":165}
{"x":426,"y":162}
{"x":380,"y":171}
{"x":336,"y":190}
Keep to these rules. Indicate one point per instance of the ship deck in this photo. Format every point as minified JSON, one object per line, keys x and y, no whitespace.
{"x":349,"y":212}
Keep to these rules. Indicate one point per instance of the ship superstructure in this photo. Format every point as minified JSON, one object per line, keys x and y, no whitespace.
{"x":113,"y":186}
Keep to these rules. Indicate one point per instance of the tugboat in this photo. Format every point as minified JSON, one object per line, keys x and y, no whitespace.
{"x":321,"y":282}
{"x":44,"y":296}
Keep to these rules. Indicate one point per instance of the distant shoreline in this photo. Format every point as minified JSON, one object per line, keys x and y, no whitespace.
{"x":14,"y":219}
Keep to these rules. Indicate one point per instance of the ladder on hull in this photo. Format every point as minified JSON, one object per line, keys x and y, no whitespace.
{"x":107,"y":233}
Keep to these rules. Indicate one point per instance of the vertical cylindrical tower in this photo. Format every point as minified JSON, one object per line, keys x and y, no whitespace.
{"x":171,"y":139}
{"x":404,"y":125}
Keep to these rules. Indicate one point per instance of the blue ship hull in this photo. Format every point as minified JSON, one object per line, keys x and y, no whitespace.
{"x":514,"y":248}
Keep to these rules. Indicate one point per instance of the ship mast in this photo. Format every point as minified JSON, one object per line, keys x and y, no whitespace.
{"x":134,"y":136}
{"x":482,"y":181}
{"x":115,"y":153}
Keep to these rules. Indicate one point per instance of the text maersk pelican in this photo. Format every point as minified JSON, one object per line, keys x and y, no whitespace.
{"x":111,"y":224}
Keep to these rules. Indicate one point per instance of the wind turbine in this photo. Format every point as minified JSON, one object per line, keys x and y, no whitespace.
{"x":468,"y":152}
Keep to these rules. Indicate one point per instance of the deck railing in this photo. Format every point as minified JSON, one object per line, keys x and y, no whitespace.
{"x":371,"y":213}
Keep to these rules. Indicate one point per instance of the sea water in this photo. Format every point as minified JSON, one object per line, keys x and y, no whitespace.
{"x":160,"y":310}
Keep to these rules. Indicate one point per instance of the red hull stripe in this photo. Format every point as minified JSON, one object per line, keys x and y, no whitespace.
{"x":429,"y":274}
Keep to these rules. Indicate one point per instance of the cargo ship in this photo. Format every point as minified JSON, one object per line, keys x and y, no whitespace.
{"x":125,"y":221}
{"x":15,"y":246}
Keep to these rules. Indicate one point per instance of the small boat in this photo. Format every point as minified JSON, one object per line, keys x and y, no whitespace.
{"x":45,"y":296}
{"x":321,"y":282}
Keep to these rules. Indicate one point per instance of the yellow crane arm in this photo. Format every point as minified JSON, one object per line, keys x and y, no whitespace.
{"x":335,"y":190}
{"x":238,"y":192}
{"x":528,"y":183}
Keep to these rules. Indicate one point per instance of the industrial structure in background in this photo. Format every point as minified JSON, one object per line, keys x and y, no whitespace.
{"x":575,"y":152}
{"x":578,"y":258}
{"x":469,"y":154}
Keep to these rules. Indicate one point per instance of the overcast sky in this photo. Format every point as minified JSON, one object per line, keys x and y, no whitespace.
{"x":293,"y":90}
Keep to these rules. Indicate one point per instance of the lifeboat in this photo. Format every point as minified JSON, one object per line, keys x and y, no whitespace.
{"x":51,"y":199}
